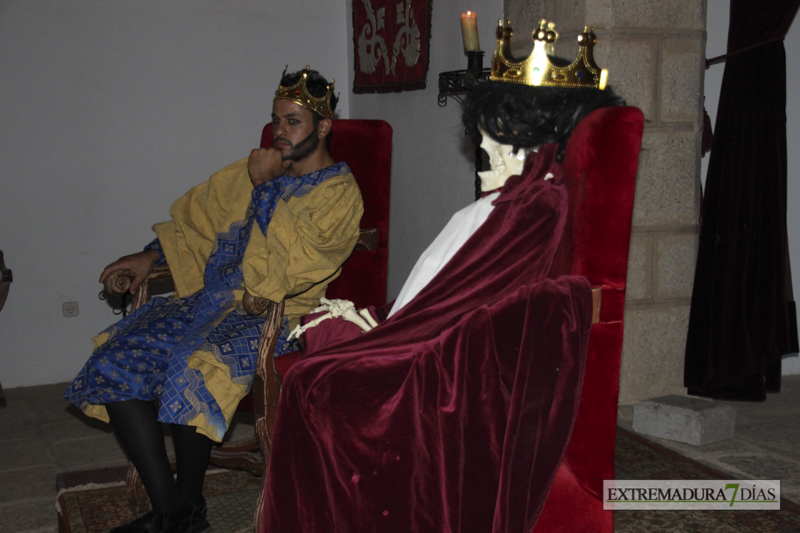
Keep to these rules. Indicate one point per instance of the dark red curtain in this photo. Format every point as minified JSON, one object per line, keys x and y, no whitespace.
{"x":743,"y":316}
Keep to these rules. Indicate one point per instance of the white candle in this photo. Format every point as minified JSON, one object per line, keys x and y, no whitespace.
{"x":469,"y":31}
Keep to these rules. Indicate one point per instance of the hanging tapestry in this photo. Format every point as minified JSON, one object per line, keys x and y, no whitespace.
{"x":391,"y":43}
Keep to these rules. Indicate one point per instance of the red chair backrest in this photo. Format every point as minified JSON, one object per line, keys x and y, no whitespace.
{"x":366,"y":147}
{"x":600,"y":165}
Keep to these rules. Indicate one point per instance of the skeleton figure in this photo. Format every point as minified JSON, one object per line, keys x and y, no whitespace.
{"x":511,"y":121}
{"x":505,"y":161}
{"x":337,"y":308}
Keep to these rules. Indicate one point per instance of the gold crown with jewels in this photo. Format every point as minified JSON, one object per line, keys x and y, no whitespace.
{"x":537,"y":70}
{"x":298,"y":94}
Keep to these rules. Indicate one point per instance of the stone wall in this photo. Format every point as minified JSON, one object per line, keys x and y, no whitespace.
{"x":654,"y":51}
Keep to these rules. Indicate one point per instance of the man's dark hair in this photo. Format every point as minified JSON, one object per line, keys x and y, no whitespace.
{"x":525,"y":116}
{"x":317,"y":86}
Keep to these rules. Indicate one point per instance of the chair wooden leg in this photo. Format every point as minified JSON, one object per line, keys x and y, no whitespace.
{"x":266,"y":390}
{"x":136,"y":491}
{"x":264,"y":443}
{"x":239,"y":455}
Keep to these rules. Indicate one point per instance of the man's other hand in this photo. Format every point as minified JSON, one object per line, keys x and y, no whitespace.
{"x":141,"y":264}
{"x":266,"y":164}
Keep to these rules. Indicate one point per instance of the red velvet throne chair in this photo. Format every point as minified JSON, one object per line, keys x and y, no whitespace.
{"x":600,"y":166}
{"x":366,"y":146}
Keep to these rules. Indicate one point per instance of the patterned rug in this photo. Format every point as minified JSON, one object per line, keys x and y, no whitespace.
{"x":638,"y":458}
{"x":96,"y":508}
{"x":231,"y":497}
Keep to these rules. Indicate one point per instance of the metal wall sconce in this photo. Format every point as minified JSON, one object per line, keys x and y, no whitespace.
{"x":454,"y":84}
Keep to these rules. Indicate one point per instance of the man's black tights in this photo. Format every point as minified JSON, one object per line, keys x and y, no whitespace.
{"x":136,"y":424}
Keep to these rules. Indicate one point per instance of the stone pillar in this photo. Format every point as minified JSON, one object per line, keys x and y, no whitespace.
{"x":654,"y":51}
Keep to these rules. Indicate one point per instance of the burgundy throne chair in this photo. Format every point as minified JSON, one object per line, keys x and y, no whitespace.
{"x":366,"y":147}
{"x":600,"y":166}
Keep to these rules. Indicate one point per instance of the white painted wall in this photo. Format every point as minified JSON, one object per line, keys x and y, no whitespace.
{"x":717,"y":28}
{"x":109,"y":110}
{"x":432,"y":161}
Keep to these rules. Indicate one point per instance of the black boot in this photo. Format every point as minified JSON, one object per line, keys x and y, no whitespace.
{"x":147,"y":523}
{"x":190,"y":519}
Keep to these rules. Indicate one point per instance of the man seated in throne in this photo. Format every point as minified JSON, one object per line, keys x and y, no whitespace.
{"x":279,"y":225}
{"x":452,"y":413}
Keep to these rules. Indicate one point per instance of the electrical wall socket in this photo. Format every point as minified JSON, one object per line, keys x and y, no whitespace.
{"x":69,"y":309}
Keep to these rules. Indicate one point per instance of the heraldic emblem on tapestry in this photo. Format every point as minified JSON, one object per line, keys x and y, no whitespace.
{"x":391,"y":42}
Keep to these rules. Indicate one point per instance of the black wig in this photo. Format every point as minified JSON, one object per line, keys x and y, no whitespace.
{"x":526,"y":117}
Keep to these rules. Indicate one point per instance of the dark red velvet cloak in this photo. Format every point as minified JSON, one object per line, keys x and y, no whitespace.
{"x":453,"y":415}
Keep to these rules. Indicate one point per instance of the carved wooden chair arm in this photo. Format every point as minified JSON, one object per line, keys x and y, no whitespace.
{"x":367,"y":239}
{"x":119,"y":282}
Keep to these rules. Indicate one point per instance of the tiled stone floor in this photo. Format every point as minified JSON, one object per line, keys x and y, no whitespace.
{"x":40,"y":435}
{"x":766,"y":444}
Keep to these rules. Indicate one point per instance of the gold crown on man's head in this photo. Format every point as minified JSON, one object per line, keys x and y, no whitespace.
{"x":537,"y":69}
{"x":298,"y":94}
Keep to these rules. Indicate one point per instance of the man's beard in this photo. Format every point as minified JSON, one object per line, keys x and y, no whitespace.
{"x":303,"y":149}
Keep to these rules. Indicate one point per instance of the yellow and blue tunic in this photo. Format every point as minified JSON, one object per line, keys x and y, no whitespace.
{"x":195,"y":352}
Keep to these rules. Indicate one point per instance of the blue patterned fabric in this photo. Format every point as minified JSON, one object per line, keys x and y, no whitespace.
{"x":146,"y":354}
{"x":156,"y":246}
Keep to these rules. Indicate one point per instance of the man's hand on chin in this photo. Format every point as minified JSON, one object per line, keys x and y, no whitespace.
{"x":266,"y":164}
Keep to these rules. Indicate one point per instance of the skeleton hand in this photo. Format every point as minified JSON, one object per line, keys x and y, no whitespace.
{"x":337,"y":308}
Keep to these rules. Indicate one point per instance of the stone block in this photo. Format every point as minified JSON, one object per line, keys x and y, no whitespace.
{"x":33,"y":516}
{"x":21,"y":432}
{"x":667,"y":182}
{"x":639,"y":285}
{"x":89,"y":452}
{"x":631,"y":64}
{"x":652,"y":351}
{"x":16,"y":414}
{"x":684,"y":419}
{"x":676,"y":256}
{"x":524,"y":14}
{"x":27,"y":483}
{"x":682,"y":67}
{"x":23,"y":453}
{"x":56,"y":409}
{"x":73,"y":429}
{"x":570,"y":15}
{"x":36,"y":392}
{"x":656,"y":14}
